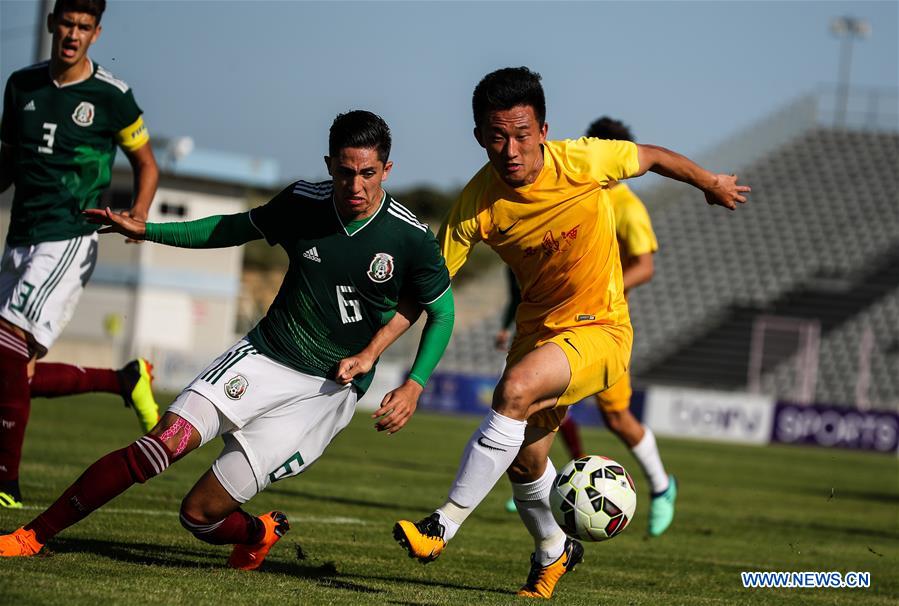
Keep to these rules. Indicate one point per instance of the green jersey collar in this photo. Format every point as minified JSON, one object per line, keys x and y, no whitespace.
{"x":354,"y":227}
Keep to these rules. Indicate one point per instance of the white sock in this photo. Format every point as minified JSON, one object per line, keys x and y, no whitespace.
{"x":488,"y":454}
{"x":647,"y":454}
{"x":532,"y":500}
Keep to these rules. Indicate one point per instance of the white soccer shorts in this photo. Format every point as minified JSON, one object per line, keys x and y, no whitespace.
{"x":282,"y":419}
{"x":40,"y":285}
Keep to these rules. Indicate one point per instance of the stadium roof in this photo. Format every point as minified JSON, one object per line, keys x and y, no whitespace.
{"x":178,"y":157}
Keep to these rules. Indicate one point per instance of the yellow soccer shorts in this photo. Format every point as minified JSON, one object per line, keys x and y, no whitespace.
{"x":617,"y":397}
{"x":598,"y":356}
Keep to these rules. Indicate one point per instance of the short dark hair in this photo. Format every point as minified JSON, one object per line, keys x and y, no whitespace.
{"x":507,"y":88}
{"x":360,"y":128}
{"x":91,"y":7}
{"x":607,"y":128}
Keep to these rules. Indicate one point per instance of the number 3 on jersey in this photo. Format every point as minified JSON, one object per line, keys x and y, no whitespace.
{"x":348,"y":302}
{"x":49,"y":138}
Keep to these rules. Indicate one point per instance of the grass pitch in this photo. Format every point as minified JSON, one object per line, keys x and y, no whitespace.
{"x":740,"y":509}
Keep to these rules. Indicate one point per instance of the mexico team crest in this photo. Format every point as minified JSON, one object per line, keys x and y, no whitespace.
{"x":236,"y":387}
{"x":84,"y":114}
{"x":381,"y":268}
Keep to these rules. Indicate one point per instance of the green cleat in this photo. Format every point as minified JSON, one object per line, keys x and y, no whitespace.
{"x":511,"y":507}
{"x":137,"y":391}
{"x":661,"y":509}
{"x":8,"y":501}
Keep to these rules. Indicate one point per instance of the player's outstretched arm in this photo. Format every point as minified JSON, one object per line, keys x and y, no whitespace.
{"x":217,"y":231}
{"x":118,"y":223}
{"x":146,"y":178}
{"x":719,"y":189}
{"x":407,"y":313}
{"x":399,"y":405}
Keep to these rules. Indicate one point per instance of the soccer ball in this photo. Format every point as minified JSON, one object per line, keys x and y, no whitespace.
{"x":593,"y":498}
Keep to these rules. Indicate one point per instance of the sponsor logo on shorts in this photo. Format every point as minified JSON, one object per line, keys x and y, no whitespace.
{"x":381,"y":268}
{"x":236,"y":387}
{"x":84,"y":114}
{"x":584,"y":318}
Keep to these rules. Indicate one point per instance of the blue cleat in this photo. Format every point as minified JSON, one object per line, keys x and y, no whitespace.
{"x":661,"y":509}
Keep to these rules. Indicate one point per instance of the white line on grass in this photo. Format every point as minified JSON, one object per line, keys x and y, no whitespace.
{"x":167,"y":513}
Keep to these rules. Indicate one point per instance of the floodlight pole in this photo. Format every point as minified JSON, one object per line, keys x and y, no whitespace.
{"x":847,"y":29}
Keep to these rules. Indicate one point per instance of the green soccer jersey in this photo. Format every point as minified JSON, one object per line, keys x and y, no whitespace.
{"x":341,"y":286}
{"x":64,"y":142}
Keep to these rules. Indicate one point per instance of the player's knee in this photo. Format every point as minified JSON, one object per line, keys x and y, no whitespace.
{"x":194,"y":512}
{"x":513,"y":396}
{"x":523,"y":470}
{"x":147,"y":458}
{"x":196,"y":520}
{"x":615,"y":420}
{"x":624,"y":425}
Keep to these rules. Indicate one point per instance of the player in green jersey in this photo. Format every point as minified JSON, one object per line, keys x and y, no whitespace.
{"x":62,"y":121}
{"x":273,"y":397}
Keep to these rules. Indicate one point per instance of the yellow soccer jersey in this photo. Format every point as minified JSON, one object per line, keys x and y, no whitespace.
{"x":632,"y":225}
{"x":557,"y":234}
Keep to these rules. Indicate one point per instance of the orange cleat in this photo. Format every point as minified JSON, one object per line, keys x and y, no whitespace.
{"x":422,"y":540}
{"x":542,"y":579}
{"x":21,"y":543}
{"x":250,"y":557}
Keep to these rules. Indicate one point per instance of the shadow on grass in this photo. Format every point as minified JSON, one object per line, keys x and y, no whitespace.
{"x":138,"y":553}
{"x":334,"y":499}
{"x":325,"y":575}
{"x":830,"y":529}
{"x":393,"y":464}
{"x":861,"y":495}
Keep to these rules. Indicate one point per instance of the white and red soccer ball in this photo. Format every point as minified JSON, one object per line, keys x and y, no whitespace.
{"x":593,"y":498}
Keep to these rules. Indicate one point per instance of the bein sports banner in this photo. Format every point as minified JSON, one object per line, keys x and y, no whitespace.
{"x":701,"y":414}
{"x":835,"y":427}
{"x":710,"y":415}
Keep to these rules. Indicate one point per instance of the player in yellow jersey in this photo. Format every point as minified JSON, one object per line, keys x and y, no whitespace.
{"x":543,"y":206}
{"x":636,"y":244}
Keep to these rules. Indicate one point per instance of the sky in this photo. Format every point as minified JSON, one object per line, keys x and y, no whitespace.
{"x":266,"y":78}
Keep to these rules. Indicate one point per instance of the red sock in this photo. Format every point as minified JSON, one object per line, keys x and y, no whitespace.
{"x":106,"y":479}
{"x":53,"y":380}
{"x":572,"y":437}
{"x":15,"y":405}
{"x":238,"y":528}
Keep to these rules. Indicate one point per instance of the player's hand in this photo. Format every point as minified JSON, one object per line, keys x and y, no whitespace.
{"x":725,"y":192}
{"x":397,"y":407}
{"x":116,"y":223}
{"x":501,"y":340}
{"x":350,"y":368}
{"x":135,"y":213}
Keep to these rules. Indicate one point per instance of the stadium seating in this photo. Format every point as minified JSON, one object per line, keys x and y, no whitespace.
{"x":822,"y":218}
